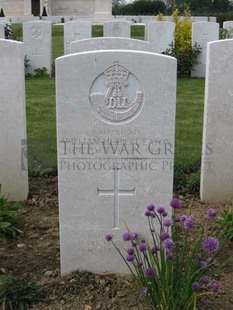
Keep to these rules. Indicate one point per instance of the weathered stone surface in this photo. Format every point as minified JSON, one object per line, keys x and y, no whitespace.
{"x":2,"y":31}
{"x":109,"y":43}
{"x":115,"y":122}
{"x":81,"y":8}
{"x":217,"y":164}
{"x":202,"y":33}
{"x":160,"y":34}
{"x":75,"y":30}
{"x":117,"y":28}
{"x":37,"y":38}
{"x":13,"y":145}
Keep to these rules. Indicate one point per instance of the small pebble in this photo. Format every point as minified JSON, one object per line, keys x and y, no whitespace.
{"x":48,"y":273}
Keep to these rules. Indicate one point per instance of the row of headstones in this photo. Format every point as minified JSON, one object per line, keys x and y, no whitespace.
{"x":115,"y":137}
{"x":37,"y":36}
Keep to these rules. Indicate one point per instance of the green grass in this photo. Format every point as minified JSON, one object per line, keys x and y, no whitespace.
{"x":137,"y":32}
{"x":41,"y":111}
{"x":189,"y":121}
{"x":57,"y":42}
{"x":41,"y":123}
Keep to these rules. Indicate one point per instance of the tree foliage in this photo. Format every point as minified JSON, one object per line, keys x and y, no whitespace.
{"x":202,"y":6}
{"x":140,"y":7}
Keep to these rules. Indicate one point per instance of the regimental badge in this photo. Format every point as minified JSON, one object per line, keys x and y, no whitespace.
{"x":36,"y":32}
{"x":116,"y":95}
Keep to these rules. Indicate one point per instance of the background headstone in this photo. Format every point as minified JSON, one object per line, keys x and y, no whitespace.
{"x":2,"y":31}
{"x":202,"y":33}
{"x":160,"y":34}
{"x":229,"y":26}
{"x":13,"y":146}
{"x":115,"y":131}
{"x":76,"y":30}
{"x":217,"y":164}
{"x":37,"y":38}
{"x":109,"y":43}
{"x":117,"y":28}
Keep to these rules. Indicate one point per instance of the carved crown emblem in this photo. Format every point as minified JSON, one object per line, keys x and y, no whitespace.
{"x":115,"y":104}
{"x":116,"y":74}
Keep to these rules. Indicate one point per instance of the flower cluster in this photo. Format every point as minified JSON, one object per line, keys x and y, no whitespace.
{"x":168,"y":255}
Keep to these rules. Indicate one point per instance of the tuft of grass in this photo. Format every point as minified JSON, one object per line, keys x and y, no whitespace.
{"x":9,"y":220}
{"x":226,"y":222}
{"x":19,"y":293}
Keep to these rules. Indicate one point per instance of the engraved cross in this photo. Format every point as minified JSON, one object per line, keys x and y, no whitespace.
{"x":37,"y":53}
{"x":116,"y":193}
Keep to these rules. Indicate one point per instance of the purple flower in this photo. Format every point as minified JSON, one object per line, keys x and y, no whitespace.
{"x":130,"y":251}
{"x":155,"y":249}
{"x":167,"y":222}
{"x":150,"y":207}
{"x":144,"y":291}
{"x":196,"y":286}
{"x":164,"y":235}
{"x":177,"y":218}
{"x":140,"y":264}
{"x":170,"y":256}
{"x":205,"y":301}
{"x":165,"y":214}
{"x":130,"y":258}
{"x":183,"y":218}
{"x":199,"y":256}
{"x":188,"y":222}
{"x":133,"y":235}
{"x":161,"y":210}
{"x":142,"y":247}
{"x":149,"y":213}
{"x":215,"y":287}
{"x":168,"y":245}
{"x":211,"y":213}
{"x":210,"y":245}
{"x":203,"y":264}
{"x":175,"y":203}
{"x":108,"y":237}
{"x":205,"y":279}
{"x":149,"y":272}
{"x":126,"y":236}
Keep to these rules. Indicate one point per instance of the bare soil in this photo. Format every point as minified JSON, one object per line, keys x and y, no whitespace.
{"x":36,"y":252}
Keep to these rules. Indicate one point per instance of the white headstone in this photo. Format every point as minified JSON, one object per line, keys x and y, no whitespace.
{"x":76,"y":30}
{"x":160,"y":34}
{"x":13,"y":146}
{"x":202,"y":33}
{"x":117,"y":28}
{"x":228,"y":24}
{"x":115,"y":131}
{"x":109,"y":43}
{"x":217,"y":164}
{"x":37,"y":38}
{"x":2,"y":31}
